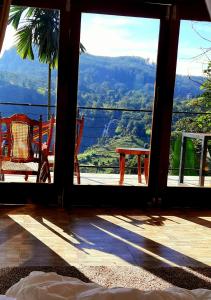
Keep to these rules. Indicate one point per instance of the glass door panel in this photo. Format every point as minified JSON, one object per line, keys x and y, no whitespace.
{"x":189,"y":161}
{"x":28,"y":86}
{"x":115,"y":95}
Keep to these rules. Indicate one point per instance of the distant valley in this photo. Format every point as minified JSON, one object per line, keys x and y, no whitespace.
{"x":104,"y":82}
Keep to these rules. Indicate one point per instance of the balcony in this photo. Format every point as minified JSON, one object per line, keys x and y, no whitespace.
{"x":113,"y":179}
{"x":104,"y":130}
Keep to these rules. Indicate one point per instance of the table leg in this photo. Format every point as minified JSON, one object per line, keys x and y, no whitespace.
{"x":139,"y":168}
{"x":146,"y":167}
{"x":182,"y":159}
{"x":122,"y":167}
{"x":203,"y":161}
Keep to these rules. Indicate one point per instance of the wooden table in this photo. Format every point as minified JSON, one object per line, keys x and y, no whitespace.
{"x":204,"y":137}
{"x":133,"y":151}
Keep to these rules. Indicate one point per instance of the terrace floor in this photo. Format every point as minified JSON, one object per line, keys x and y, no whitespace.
{"x":132,"y":180}
{"x":113,"y":179}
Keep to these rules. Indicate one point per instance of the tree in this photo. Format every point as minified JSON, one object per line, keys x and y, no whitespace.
{"x":38,"y":29}
{"x":201,"y":122}
{"x":202,"y":104}
{"x":190,"y":156}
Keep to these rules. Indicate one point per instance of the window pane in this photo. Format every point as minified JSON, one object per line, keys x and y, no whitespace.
{"x":28,"y":86}
{"x":115,"y":96}
{"x":192,"y":108}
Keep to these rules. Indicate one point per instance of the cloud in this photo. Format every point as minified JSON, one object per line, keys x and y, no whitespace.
{"x":126,"y":36}
{"x":118,"y":36}
{"x":190,"y":68}
{"x":110,"y":21}
{"x":191,"y":60}
{"x":188,"y":52}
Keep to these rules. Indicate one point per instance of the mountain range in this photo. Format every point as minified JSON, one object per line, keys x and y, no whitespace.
{"x":25,"y":80}
{"x":107,"y":82}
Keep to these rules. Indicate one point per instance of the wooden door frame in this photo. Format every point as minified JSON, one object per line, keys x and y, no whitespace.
{"x":170,"y":16}
{"x":23,"y":193}
{"x":63,"y":191}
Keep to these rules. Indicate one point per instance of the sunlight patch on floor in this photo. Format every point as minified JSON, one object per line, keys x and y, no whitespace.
{"x":61,"y":247}
{"x":197,"y":235}
{"x":68,"y":251}
{"x":60,"y":231}
{"x":134,"y":245}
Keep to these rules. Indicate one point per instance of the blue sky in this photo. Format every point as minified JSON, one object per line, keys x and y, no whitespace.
{"x":116,"y":36}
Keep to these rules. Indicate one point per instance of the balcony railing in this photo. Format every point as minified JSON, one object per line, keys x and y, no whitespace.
{"x":105,"y":129}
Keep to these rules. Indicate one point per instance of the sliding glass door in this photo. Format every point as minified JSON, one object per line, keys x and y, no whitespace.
{"x":116,"y":80}
{"x":189,"y":160}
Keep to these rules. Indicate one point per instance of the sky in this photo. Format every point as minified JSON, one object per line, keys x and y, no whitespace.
{"x":116,"y":36}
{"x":9,"y":39}
{"x":106,"y":35}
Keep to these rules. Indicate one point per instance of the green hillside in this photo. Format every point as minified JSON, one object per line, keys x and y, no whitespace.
{"x":104,"y":82}
{"x":114,"y":78}
{"x":102,"y":156}
{"x":23,"y":81}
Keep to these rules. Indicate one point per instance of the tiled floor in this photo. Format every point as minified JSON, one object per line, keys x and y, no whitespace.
{"x":113,"y":179}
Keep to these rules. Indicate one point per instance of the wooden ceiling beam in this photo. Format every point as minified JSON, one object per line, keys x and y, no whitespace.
{"x":52,"y":4}
{"x":194,"y":10}
{"x":134,"y":8}
{"x":186,"y":9}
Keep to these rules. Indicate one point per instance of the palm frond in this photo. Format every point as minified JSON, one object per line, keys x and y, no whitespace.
{"x":82,"y":48}
{"x":24,"y":43}
{"x":30,"y":12}
{"x":15,"y":15}
{"x":41,"y":28}
{"x":38,"y":28}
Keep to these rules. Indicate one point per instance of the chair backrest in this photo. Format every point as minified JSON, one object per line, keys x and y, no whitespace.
{"x":47,"y":134}
{"x":79,"y":133}
{"x":16,"y":138}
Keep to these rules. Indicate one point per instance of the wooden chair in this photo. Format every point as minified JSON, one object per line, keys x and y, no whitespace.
{"x":79,"y":133}
{"x":78,"y":137}
{"x":47,"y":130}
{"x":19,"y":153}
{"x":47,"y":133}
